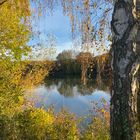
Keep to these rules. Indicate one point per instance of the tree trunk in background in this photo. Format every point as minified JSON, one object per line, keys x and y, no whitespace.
{"x":84,"y":74}
{"x":99,"y":79}
{"x":125,"y":66}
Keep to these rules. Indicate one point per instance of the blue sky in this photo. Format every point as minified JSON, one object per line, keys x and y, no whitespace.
{"x":57,"y":25}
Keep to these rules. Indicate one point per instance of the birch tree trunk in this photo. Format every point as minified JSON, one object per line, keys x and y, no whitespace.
{"x":125,"y":66}
{"x":138,"y":44}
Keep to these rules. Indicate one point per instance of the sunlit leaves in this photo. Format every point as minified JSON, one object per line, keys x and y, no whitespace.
{"x":35,"y":72}
{"x":99,"y":128}
{"x":14,"y":33}
{"x":23,"y":7}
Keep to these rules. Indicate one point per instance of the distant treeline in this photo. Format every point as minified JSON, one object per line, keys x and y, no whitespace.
{"x":66,"y":68}
{"x":71,"y":67}
{"x":100,"y":66}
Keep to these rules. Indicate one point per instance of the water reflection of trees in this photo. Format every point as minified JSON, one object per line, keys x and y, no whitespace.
{"x":70,"y":87}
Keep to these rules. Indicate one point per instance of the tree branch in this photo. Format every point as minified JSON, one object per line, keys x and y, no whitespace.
{"x":2,"y":2}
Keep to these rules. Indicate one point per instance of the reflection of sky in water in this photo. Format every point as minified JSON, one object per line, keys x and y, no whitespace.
{"x":77,"y":103}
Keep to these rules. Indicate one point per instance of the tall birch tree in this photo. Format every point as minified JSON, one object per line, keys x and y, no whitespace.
{"x":125,"y":65}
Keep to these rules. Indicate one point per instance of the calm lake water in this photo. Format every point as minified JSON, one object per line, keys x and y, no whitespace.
{"x":69,"y":93}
